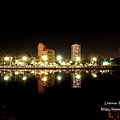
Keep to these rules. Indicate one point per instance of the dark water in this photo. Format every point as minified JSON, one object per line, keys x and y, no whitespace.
{"x":72,"y":95}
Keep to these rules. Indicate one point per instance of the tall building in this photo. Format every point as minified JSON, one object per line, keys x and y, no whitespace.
{"x":75,"y":51}
{"x":41,"y":48}
{"x":50,"y":53}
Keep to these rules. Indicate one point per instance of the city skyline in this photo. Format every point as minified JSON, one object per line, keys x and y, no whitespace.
{"x":24,"y":25}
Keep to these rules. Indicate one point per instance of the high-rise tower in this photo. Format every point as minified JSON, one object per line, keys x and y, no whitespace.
{"x":75,"y":51}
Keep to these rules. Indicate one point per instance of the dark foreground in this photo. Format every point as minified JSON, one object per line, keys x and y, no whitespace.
{"x":19,"y":102}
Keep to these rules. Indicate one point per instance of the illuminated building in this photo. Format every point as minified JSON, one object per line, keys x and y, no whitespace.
{"x":41,"y":48}
{"x":75,"y":51}
{"x":50,"y":53}
{"x":76,"y":80}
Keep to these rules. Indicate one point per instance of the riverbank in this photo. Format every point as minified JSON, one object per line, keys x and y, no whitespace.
{"x":81,"y":67}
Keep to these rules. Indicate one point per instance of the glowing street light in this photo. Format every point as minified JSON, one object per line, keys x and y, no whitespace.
{"x":8,"y":59}
{"x":94,"y":59}
{"x":24,"y":58}
{"x":77,"y":58}
{"x":59,"y":58}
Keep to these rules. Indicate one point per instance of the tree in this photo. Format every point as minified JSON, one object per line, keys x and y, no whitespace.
{"x":100,"y":61}
{"x":117,"y":60}
{"x":84,"y":61}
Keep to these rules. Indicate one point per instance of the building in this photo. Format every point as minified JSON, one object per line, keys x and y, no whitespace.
{"x":41,"y":48}
{"x":51,"y":55}
{"x":42,"y":51}
{"x":75,"y":52}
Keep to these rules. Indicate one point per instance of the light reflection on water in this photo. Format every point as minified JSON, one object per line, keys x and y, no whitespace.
{"x":50,"y":78}
{"x":64,"y":102}
{"x":45,"y":78}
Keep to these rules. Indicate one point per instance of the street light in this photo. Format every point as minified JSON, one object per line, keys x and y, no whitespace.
{"x":77,"y":59}
{"x":59,"y":58}
{"x":94,"y":60}
{"x":24,"y":58}
{"x":8,"y":59}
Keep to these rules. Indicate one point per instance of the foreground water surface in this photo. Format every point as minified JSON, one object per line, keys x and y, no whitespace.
{"x":59,"y":94}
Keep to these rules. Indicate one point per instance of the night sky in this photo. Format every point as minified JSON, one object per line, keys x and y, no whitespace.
{"x":96,"y":27}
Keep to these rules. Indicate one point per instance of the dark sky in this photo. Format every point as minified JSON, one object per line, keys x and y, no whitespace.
{"x":95,"y":26}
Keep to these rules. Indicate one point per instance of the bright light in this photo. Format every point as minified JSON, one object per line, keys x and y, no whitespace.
{"x":105,"y":63}
{"x":6,"y":58}
{"x":94,"y":58}
{"x":16,"y":72}
{"x":94,"y":75}
{"x":32,"y":62}
{"x":59,"y":58}
{"x":77,"y":58}
{"x":44,"y":57}
{"x":78,"y":76}
{"x":16,"y":61}
{"x":44,"y":79}
{"x":24,"y":78}
{"x":32,"y":71}
{"x":6,"y":77}
{"x":59,"y":78}
{"x":24,"y":58}
{"x":63,"y":63}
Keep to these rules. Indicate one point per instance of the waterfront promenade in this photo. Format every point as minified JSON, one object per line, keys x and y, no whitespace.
{"x":81,"y":67}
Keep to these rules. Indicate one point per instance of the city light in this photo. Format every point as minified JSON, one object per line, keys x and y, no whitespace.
{"x":6,"y":58}
{"x":59,"y":78}
{"x":44,"y":57}
{"x":24,"y":58}
{"x":44,"y":79}
{"x":94,"y":58}
{"x":24,"y":78}
{"x":77,"y":58}
{"x":78,"y":76}
{"x":59,"y":58}
{"x":6,"y":77}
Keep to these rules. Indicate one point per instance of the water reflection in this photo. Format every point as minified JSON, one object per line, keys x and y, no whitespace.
{"x":76,"y":79}
{"x":17,"y":88}
{"x":42,"y":82}
{"x":46,"y":78}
